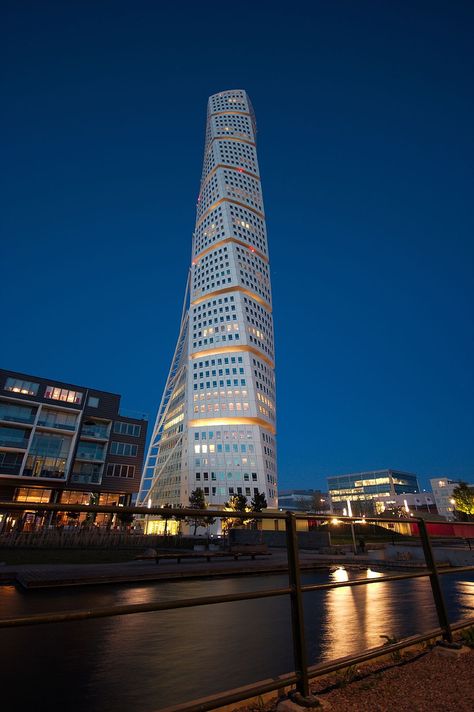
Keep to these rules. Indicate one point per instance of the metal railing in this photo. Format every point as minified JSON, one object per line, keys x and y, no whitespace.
{"x":303,"y":673}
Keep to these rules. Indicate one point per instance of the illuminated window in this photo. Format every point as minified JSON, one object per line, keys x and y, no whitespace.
{"x":17,"y":386}
{"x":62,"y":394}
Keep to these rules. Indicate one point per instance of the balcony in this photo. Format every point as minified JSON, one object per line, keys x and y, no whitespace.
{"x":10,"y":469}
{"x":13,"y":443}
{"x":82,"y":478}
{"x":97,"y":455}
{"x":11,"y":418}
{"x":98,"y":432}
{"x":56,"y":426}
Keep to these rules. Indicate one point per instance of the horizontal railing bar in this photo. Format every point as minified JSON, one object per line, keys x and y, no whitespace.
{"x":363,"y":582}
{"x":381,"y":579}
{"x":325,"y":668}
{"x":104,"y":612}
{"x":188,"y":512}
{"x":108,"y":611}
{"x":286,"y":680}
{"x":235,"y":695}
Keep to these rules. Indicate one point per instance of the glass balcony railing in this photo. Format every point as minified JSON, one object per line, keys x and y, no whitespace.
{"x":94,"y":478}
{"x":19,"y":443}
{"x":95,"y":431}
{"x":89,"y":454}
{"x":57,"y":426}
{"x":15,"y":418}
{"x":9,"y":469}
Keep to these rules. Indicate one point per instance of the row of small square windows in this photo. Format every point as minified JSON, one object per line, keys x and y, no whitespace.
{"x":212,"y":303}
{"x":252,"y":283}
{"x":210,"y":192}
{"x":218,"y":362}
{"x":210,"y":330}
{"x":218,"y":338}
{"x":219,"y":371}
{"x":212,"y":312}
{"x":254,"y":261}
{"x":231,"y":120}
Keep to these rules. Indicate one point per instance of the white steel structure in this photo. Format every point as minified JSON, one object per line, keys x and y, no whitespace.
{"x":215,"y":427}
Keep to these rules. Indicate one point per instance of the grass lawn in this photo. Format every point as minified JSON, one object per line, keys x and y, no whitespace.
{"x":67,"y":556}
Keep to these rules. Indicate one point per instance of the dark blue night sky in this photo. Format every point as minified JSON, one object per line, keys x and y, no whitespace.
{"x":365,"y":116}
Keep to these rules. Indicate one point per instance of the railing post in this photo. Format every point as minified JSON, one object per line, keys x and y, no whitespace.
{"x":435,"y":583}
{"x":296,"y":596}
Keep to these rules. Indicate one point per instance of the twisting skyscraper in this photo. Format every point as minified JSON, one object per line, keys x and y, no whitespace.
{"x":215,"y":427}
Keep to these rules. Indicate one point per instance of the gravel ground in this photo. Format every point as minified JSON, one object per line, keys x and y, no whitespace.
{"x":426,"y":682}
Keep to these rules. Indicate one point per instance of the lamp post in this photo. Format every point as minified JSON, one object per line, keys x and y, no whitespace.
{"x":349,"y":512}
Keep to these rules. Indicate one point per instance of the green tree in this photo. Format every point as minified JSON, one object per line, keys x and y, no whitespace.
{"x":166,"y":516}
{"x":257,"y":503}
{"x":198,"y":501}
{"x":463,"y":496}
{"x":236,"y":503}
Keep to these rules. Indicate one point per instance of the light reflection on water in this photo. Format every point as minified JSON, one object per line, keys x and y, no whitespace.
{"x":147,"y":661}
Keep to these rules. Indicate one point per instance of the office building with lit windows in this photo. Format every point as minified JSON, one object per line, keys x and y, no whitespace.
{"x":216,"y":423}
{"x":61,"y":442}
{"x":363,"y":490}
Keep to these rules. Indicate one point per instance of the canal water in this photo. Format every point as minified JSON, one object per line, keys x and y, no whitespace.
{"x":144,"y":662}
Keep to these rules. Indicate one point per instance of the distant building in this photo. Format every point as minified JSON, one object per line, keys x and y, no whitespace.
{"x":63,"y":443}
{"x":408,"y":503}
{"x":362,"y":489}
{"x":443,"y":494}
{"x":306,"y":500}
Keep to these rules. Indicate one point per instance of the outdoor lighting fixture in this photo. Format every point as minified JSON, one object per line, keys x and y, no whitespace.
{"x":406,"y":507}
{"x":373,"y":574}
{"x":335,"y":521}
{"x":340,"y":574}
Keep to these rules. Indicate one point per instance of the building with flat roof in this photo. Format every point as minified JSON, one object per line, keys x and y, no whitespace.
{"x":361,"y":489}
{"x":60,"y":442}
{"x":303,"y":500}
{"x":443,"y":494}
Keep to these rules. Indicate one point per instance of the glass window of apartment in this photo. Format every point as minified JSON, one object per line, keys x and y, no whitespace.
{"x":48,"y":456}
{"x":62,"y":394}
{"x":93,"y":402}
{"x":10,"y":462}
{"x":18,"y":386}
{"x":17,"y":413}
{"x":90,"y":451}
{"x":32,"y":494}
{"x":125,"y":449}
{"x":13,"y":437}
{"x":127,"y":429}
{"x":57,"y":419}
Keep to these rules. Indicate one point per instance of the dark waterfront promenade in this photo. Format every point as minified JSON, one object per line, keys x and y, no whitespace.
{"x":57,"y":575}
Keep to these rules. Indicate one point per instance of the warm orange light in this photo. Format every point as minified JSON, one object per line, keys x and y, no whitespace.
{"x":236,"y":288}
{"x":219,"y":113}
{"x":207,"y":422}
{"x":224,"y":241}
{"x":232,"y":349}
{"x":229,"y":168}
{"x":228,"y":200}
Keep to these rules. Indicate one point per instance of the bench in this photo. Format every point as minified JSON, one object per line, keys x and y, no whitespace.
{"x":235,"y":552}
{"x":252,"y":550}
{"x":208,"y":555}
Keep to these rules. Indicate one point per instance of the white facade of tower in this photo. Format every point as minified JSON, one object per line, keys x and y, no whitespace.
{"x":216,"y":424}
